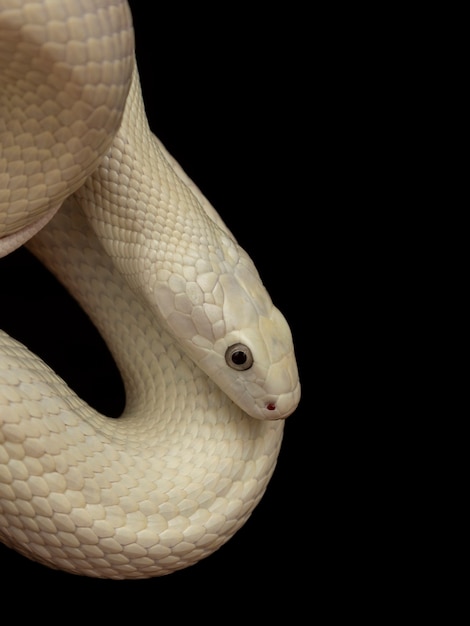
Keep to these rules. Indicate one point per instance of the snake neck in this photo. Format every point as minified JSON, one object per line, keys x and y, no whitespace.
{"x":150,"y":218}
{"x":138,"y":199}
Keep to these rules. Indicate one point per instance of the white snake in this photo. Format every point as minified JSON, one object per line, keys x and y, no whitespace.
{"x":207,"y":360}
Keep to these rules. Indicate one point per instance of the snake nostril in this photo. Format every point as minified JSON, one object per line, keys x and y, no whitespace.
{"x":271,"y":406}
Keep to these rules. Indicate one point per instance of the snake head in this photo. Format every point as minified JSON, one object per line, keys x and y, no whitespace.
{"x":226,"y":322}
{"x":259,"y":372}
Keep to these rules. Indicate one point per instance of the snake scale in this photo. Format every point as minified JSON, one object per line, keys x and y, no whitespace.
{"x":207,"y":360}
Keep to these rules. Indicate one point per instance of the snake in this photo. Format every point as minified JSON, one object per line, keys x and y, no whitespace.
{"x":206,"y":358}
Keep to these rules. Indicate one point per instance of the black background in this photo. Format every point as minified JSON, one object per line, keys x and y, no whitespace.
{"x":225,"y":94}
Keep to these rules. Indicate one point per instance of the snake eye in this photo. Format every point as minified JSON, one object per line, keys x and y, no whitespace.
{"x":239,"y":357}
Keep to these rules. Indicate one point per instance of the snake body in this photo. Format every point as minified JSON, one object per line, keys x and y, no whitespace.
{"x":206,"y":358}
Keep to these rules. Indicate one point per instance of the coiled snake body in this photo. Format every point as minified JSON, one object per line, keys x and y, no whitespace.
{"x":207,"y":360}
